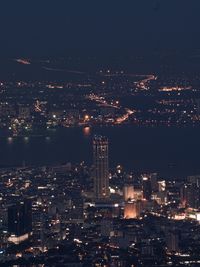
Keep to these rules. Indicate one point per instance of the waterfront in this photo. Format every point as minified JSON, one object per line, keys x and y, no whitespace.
{"x":170,"y":151}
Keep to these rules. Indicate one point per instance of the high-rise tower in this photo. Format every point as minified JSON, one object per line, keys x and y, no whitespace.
{"x":146,"y":186}
{"x":20,"y":221}
{"x":100,"y":161}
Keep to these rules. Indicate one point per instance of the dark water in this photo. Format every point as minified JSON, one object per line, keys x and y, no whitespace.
{"x":170,"y":151}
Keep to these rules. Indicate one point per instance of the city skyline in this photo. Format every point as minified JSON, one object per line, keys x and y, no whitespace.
{"x":99,"y":133}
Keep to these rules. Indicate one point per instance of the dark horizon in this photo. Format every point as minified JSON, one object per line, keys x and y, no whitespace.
{"x":76,"y":27}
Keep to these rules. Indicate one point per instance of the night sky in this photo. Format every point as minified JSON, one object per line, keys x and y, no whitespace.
{"x":43,"y":27}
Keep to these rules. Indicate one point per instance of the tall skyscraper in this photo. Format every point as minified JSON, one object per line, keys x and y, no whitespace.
{"x":128,"y":192}
{"x":190,"y":196}
{"x":172,"y":241}
{"x":100,"y":161}
{"x":146,"y":186}
{"x":20,"y":221}
{"x":132,"y":209}
{"x":154,"y":182}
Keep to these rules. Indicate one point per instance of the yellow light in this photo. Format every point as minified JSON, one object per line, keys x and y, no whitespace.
{"x":87,"y":117}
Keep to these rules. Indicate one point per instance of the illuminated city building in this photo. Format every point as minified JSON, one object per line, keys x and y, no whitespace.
{"x":132,"y":210}
{"x":146,"y":186}
{"x":100,"y":161}
{"x":154,"y":182}
{"x":172,"y":241}
{"x":20,"y":221}
{"x":161,"y":186}
{"x":160,"y":197}
{"x":194,"y":180}
{"x":128,"y":192}
{"x":183,"y":190}
{"x":138,"y":194}
{"x":189,"y":196}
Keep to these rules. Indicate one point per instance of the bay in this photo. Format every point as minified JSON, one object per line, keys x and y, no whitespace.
{"x":169,"y":151}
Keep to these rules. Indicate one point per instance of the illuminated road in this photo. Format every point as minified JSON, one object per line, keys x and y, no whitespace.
{"x":101,"y":100}
{"x":125,"y":116}
{"x":23,"y":61}
{"x":144,"y":84}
